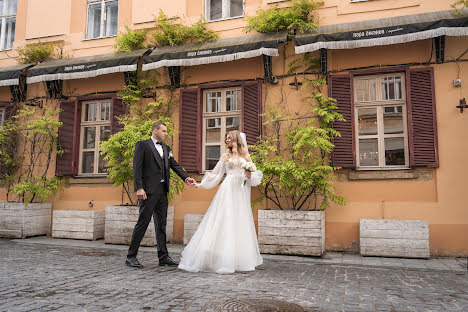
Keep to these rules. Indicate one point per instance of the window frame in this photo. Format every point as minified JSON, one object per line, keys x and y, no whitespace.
{"x":379,"y":104}
{"x":2,"y":115}
{"x":97,"y":124}
{"x":102,"y":24}
{"x":4,"y":17}
{"x":223,"y":115}
{"x":224,"y":11}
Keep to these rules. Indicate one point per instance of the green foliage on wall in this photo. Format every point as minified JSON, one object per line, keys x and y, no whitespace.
{"x":130,"y":40}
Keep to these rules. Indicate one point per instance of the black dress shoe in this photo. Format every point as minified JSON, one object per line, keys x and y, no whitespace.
{"x":133,"y":262}
{"x":167,"y":261}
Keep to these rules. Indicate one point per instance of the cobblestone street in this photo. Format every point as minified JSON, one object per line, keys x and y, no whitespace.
{"x":38,"y":277}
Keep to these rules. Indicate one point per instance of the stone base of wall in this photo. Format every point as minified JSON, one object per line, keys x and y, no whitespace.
{"x":291,"y":232}
{"x":191,"y":223}
{"x":78,"y":224}
{"x":394,"y":238}
{"x":120,"y":221}
{"x":18,"y":221}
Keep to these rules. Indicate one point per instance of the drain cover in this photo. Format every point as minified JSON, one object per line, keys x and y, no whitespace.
{"x":260,"y":305}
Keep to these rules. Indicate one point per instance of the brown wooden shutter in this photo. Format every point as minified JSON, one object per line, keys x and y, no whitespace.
{"x":190,"y":130}
{"x":118,"y":109}
{"x":68,"y":138}
{"x":251,"y":110}
{"x":422,"y":121}
{"x":343,"y":155}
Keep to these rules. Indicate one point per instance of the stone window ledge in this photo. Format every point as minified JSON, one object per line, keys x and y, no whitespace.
{"x":368,"y":175}
{"x":88,"y":180}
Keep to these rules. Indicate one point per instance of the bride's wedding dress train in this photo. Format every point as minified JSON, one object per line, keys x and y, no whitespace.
{"x":225,"y":240}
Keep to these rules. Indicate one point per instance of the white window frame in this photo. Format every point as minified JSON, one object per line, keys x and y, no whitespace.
{"x":225,"y":11}
{"x":379,"y":104}
{"x":2,"y":116}
{"x":98,"y":123}
{"x":4,"y":18}
{"x":223,"y":115}
{"x":102,"y":33}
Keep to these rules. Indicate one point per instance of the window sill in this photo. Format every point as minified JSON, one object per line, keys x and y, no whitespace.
{"x":225,"y":19}
{"x":401,"y":174}
{"x":86,"y":180}
{"x":97,"y":38}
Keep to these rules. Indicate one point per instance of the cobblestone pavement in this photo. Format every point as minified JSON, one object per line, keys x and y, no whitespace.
{"x":59,"y":278}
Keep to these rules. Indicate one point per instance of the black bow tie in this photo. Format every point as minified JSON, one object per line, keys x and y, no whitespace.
{"x":159,"y":143}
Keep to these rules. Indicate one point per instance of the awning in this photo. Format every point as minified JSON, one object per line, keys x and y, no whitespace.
{"x":85,"y":67}
{"x":223,"y":50}
{"x":9,"y":76}
{"x":384,"y":31}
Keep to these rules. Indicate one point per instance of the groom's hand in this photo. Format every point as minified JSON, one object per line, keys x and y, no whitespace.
{"x":190,"y":181}
{"x":141,"y":194}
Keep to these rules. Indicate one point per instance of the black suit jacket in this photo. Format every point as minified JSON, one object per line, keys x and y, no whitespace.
{"x":149,"y":168}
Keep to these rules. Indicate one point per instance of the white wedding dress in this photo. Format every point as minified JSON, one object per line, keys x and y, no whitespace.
{"x":225,"y":240}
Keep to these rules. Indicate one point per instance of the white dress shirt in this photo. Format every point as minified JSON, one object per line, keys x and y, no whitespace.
{"x":158,"y":147}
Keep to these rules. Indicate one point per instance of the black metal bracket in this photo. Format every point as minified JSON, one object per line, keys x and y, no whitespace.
{"x":268,"y":69}
{"x":462,"y":105}
{"x":440,"y":49}
{"x":54,"y":88}
{"x":323,"y":61}
{"x":174,"y":75}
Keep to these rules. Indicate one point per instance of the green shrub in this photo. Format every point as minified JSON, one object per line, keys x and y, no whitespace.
{"x":298,"y":16}
{"x":130,"y":40}
{"x":35,"y":53}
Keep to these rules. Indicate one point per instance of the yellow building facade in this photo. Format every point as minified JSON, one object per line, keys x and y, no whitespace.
{"x":385,"y":175}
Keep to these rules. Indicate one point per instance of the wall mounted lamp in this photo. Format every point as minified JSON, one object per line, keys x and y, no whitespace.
{"x":462,"y":105}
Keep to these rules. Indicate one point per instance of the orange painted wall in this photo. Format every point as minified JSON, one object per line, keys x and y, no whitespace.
{"x":439,"y":199}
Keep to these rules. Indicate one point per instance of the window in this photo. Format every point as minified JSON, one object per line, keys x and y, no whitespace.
{"x":222,"y":113}
{"x":8,"y":23}
{"x":224,"y":9}
{"x":380,"y":121}
{"x":2,"y":116}
{"x":102,"y":18}
{"x":95,"y":128}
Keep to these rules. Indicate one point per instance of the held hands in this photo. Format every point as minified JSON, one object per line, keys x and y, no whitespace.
{"x":191,"y":182}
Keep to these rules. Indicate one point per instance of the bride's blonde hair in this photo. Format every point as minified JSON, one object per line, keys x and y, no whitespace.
{"x":237,"y":145}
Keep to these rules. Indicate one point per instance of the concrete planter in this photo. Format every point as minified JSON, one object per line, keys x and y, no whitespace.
{"x":18,"y":221}
{"x":291,"y":232}
{"x":120,"y":221}
{"x":78,"y":224}
{"x":394,"y":238}
{"x":191,"y":223}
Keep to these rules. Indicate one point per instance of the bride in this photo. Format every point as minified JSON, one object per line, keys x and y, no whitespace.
{"x":225,"y":240}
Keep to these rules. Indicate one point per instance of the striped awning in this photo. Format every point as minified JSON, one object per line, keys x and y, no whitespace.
{"x":85,"y":67}
{"x":384,"y":31}
{"x":223,"y":50}
{"x":9,"y":76}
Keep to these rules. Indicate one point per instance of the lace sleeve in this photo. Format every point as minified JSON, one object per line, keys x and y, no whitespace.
{"x":256,"y":178}
{"x":211,"y":179}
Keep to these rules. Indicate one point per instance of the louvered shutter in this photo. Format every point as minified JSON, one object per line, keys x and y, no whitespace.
{"x":251,"y":110}
{"x":343,"y":153}
{"x":118,"y":109}
{"x":422,"y":121}
{"x":190,"y":130}
{"x":10,"y":111}
{"x":68,"y":138}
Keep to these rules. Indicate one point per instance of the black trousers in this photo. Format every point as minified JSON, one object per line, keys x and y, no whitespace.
{"x":155,"y":205}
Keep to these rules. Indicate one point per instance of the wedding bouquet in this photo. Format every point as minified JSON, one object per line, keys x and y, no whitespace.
{"x":248,"y":166}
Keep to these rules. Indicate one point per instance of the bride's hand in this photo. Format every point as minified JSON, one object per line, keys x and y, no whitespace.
{"x":248,"y":174}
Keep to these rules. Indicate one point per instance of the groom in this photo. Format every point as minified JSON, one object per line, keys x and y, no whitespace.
{"x":152,"y":160}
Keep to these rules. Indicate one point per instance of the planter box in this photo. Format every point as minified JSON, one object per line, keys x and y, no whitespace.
{"x":17,"y":221}
{"x":78,"y":224}
{"x":291,"y":232}
{"x":191,"y":223}
{"x":394,"y":238}
{"x":120,"y":221}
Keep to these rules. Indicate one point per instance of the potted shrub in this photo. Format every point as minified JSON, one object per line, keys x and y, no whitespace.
{"x":28,"y":142}
{"x":293,"y":154}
